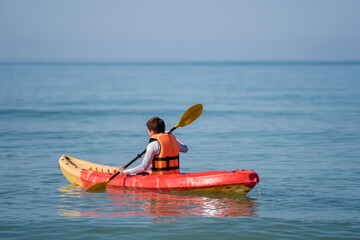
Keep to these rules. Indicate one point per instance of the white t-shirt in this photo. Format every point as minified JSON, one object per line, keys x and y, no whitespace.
{"x":152,"y":150}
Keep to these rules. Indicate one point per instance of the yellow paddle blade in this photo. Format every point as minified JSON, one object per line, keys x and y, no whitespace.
{"x":98,"y":187}
{"x":190,"y":115}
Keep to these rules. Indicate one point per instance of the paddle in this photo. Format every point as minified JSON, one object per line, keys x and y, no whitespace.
{"x":188,"y":117}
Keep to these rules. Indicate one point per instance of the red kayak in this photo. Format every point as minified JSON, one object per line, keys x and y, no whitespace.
{"x":84,"y":173}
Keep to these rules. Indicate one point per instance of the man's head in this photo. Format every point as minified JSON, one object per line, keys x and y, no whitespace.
{"x":156,"y":124}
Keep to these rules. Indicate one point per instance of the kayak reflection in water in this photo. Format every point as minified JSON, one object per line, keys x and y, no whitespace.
{"x":162,"y":152}
{"x":160,"y":206}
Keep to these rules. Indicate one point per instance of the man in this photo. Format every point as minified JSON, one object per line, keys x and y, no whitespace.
{"x":162,"y":152}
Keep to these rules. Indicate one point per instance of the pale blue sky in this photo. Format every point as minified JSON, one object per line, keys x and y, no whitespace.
{"x":166,"y":30}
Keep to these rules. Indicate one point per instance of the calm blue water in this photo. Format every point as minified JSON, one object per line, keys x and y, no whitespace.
{"x":297,"y":125}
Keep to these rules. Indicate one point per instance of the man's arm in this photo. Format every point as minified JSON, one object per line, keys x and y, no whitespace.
{"x":151,"y":151}
{"x":182,"y":147}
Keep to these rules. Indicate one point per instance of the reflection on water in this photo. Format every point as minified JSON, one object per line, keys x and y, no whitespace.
{"x":117,"y":202}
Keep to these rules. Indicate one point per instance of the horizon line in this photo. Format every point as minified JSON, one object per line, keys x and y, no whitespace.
{"x":170,"y":62}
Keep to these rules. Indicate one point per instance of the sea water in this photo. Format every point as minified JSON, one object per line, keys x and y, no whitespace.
{"x":296,"y":124}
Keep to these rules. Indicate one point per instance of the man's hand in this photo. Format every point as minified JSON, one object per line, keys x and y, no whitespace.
{"x":122,"y":169}
{"x":168,"y":132}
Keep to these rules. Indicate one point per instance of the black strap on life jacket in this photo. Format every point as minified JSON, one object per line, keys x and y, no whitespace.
{"x":152,"y":139}
{"x":167,"y":168}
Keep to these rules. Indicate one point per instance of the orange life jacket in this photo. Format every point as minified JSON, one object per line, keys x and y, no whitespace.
{"x":167,"y":161}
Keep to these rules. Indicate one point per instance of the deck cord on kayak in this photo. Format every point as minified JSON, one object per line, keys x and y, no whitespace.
{"x":125,"y":181}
